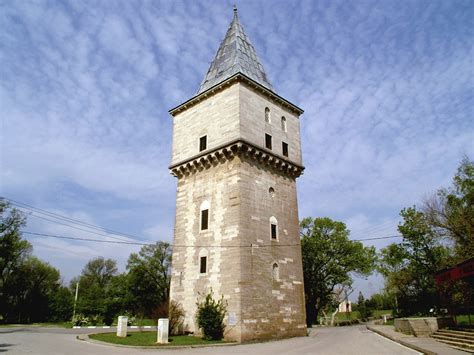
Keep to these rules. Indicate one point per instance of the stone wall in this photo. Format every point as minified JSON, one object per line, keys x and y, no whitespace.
{"x":423,"y":326}
{"x":271,"y":308}
{"x":241,"y":253}
{"x":217,"y":117}
{"x":253,"y":126}
{"x":219,"y":186}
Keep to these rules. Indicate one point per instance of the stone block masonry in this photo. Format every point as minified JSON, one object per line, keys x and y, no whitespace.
{"x":237,"y":154}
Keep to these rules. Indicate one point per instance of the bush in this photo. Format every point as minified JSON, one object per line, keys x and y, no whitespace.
{"x":131,"y":318}
{"x":210,"y":317}
{"x":79,"y":320}
{"x":176,"y":317}
{"x":95,"y":319}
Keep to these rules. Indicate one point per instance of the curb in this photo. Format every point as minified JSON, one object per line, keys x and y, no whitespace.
{"x":85,"y":337}
{"x":113,"y":327}
{"x":402,"y":342}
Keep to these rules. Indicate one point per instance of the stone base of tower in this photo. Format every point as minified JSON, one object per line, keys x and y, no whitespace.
{"x":241,"y":254}
{"x":270,"y":331}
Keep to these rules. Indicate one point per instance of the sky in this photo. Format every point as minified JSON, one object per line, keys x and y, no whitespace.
{"x":85,"y":88}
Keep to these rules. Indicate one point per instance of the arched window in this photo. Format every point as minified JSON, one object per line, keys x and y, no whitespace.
{"x":267,"y":115}
{"x":273,"y":228}
{"x":271,"y":191}
{"x":204,"y":215}
{"x":275,"y":272}
{"x":283,"y":123}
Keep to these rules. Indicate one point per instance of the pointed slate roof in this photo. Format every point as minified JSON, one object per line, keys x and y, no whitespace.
{"x":236,"y":54}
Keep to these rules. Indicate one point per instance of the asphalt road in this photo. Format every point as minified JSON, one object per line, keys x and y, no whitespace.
{"x":352,"y":340}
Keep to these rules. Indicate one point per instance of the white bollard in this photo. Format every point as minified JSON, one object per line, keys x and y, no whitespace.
{"x":163,"y":324}
{"x":384,"y":319}
{"x":122,"y":326}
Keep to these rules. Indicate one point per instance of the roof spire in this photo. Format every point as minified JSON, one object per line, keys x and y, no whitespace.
{"x":235,"y":55}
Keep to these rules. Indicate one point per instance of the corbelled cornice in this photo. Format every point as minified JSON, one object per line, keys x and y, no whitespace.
{"x":229,"y":151}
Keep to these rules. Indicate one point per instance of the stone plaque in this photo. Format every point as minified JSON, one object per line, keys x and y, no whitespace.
{"x":232,"y":319}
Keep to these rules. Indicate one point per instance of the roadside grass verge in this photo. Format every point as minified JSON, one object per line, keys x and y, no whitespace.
{"x":149,"y":339}
{"x":44,"y":324}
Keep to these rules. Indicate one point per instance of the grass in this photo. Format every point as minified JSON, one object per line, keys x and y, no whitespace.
{"x":149,"y":339}
{"x":378,"y":313}
{"x":44,"y":324}
{"x":463,"y":320}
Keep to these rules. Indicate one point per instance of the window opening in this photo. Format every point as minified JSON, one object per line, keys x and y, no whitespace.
{"x":271,"y":191}
{"x":204,"y":219}
{"x":283,"y":123}
{"x":203,"y":265}
{"x":268,"y":141}
{"x":284,"y":148}
{"x":267,"y":115}
{"x":202,"y":143}
{"x":273,"y":228}
{"x":275,"y":272}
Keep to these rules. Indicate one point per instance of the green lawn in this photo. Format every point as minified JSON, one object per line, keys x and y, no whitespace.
{"x":463,"y":320}
{"x":45,"y":324}
{"x":355,"y":315}
{"x":149,"y":339}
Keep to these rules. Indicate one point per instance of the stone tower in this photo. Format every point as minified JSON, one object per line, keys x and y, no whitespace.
{"x":236,"y":154}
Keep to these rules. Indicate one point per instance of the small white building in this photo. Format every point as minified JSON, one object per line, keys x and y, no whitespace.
{"x":345,"y":306}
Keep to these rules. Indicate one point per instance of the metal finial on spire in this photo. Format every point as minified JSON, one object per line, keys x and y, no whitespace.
{"x":235,"y":9}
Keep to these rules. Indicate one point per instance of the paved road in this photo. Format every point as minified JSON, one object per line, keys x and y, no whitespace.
{"x":353,"y":340}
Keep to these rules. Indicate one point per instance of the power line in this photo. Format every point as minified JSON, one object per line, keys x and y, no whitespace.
{"x":188,"y":246}
{"x":70,"y":220}
{"x":85,"y":239}
{"x":81,"y":229}
{"x":377,"y":238}
{"x":111,"y":232}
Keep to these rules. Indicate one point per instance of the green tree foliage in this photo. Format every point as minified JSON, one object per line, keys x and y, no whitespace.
{"x":13,"y":251}
{"x":61,"y":305}
{"x":38,"y":283}
{"x":381,"y":301}
{"x":363,"y":307}
{"x":30,"y":289}
{"x":329,"y":259}
{"x":409,"y":267}
{"x":450,"y":212}
{"x":95,"y":285}
{"x":210,"y":317}
{"x":149,"y":277}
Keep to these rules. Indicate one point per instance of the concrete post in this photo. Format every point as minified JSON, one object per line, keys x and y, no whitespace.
{"x":163,"y":324}
{"x":122,"y":326}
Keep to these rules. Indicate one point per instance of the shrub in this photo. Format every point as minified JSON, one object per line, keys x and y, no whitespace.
{"x":210,"y":317}
{"x":79,"y":320}
{"x":176,"y":317}
{"x":95,"y":319}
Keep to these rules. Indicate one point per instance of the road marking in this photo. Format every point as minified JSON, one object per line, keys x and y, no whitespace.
{"x":394,"y":342}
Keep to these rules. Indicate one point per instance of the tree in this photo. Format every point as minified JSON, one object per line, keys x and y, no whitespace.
{"x":94,"y":285}
{"x":363,"y":307}
{"x":38,"y":284}
{"x":30,"y":289}
{"x":409,"y":267}
{"x":13,"y":252}
{"x":451,"y":211}
{"x":329,"y":259}
{"x":149,"y":276}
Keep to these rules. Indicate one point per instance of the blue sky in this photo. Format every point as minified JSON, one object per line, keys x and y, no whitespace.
{"x":85,"y":87}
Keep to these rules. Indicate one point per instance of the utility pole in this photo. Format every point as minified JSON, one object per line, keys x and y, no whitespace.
{"x":75,"y":300}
